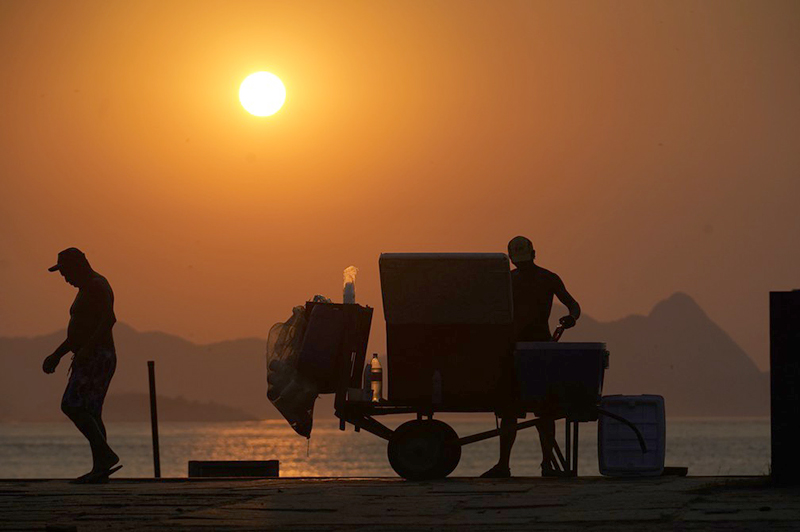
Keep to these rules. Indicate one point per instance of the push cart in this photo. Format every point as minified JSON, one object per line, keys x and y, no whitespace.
{"x":449,"y":342}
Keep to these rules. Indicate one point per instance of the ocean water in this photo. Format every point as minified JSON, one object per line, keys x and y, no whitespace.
{"x":57,"y":450}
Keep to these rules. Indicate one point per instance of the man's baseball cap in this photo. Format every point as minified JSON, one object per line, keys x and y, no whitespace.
{"x":68,"y":256}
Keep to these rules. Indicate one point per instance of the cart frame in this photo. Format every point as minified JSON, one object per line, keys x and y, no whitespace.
{"x":363,"y":414}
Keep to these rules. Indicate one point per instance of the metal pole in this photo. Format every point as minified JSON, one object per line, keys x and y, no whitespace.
{"x":492,"y":433}
{"x":151,"y":370}
{"x":575,"y":451}
{"x":568,"y":450}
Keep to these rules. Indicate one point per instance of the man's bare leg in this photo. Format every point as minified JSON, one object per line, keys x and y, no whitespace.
{"x":508,"y":434}
{"x":103,"y":457}
{"x":102,"y":427}
{"x":547,"y":438}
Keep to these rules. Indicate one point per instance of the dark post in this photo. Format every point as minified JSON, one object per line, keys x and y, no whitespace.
{"x":574,"y":460}
{"x":151,"y":370}
{"x":784,"y":365}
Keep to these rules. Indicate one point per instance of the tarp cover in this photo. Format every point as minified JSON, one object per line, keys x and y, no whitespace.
{"x":291,"y":393}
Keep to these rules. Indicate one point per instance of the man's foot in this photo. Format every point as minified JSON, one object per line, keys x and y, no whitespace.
{"x":96,"y":477}
{"x":551,"y":472}
{"x":83,"y":477}
{"x":102,"y":467}
{"x":498,"y":471}
{"x":109,"y":461}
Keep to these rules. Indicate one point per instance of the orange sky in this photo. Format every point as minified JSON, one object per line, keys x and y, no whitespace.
{"x":644,"y":147}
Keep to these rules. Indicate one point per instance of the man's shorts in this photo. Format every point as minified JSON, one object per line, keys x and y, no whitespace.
{"x":89,"y":380}
{"x":508,"y":394}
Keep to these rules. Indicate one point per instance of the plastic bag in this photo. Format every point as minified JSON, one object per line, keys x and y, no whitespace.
{"x":291,"y":393}
{"x":349,"y":289}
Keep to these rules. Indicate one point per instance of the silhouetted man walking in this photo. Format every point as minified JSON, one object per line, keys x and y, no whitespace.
{"x":94,"y":358}
{"x":533,"y":289}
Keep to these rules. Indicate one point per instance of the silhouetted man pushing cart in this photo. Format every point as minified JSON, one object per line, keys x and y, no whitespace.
{"x":533,"y":288}
{"x":94,"y":361}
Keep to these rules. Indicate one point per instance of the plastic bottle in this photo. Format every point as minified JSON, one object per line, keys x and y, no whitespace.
{"x":367,"y":386}
{"x":436,"y":388}
{"x":376,"y":378}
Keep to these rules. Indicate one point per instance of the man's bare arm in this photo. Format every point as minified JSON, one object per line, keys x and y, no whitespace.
{"x":64,"y":348}
{"x":51,"y":362}
{"x":572,"y":306}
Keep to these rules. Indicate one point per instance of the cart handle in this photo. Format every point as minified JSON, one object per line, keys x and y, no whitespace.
{"x":624,"y":421}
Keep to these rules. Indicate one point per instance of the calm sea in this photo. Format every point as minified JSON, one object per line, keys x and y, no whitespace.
{"x":57,"y":450}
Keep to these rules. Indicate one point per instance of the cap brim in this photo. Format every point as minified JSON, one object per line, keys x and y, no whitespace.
{"x":54,"y":268}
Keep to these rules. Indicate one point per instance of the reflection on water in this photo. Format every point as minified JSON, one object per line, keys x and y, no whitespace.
{"x":39,"y":450}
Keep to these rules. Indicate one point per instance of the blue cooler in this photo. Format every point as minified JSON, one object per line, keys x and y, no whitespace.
{"x":561,"y":379}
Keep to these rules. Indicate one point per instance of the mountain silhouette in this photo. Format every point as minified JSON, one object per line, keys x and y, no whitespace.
{"x":230,"y":374}
{"x":136,"y":407}
{"x":676,"y":351}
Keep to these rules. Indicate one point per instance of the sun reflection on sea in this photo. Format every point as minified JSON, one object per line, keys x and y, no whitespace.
{"x":57,"y":450}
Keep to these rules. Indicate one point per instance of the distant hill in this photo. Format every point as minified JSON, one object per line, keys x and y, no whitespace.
{"x":136,"y":407}
{"x":230,"y":374}
{"x":676,"y":351}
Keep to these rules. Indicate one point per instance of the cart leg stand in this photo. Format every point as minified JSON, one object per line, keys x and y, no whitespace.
{"x":571,"y":447}
{"x":574,"y":460}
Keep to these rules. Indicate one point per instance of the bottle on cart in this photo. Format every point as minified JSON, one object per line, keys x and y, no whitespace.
{"x":376,"y":378}
{"x":436,"y":388}
{"x":366,"y":389}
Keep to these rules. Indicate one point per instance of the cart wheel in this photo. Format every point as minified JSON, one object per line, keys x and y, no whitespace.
{"x":424,"y":449}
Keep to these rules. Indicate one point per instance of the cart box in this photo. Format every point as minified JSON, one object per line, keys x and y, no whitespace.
{"x":334,"y":344}
{"x":449,"y":324}
{"x":618,"y":448}
{"x":561,"y":379}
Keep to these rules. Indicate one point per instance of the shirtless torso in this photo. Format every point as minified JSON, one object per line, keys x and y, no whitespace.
{"x":93,"y":305}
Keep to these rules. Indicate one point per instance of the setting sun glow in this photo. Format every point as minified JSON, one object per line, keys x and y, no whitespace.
{"x":262,"y":94}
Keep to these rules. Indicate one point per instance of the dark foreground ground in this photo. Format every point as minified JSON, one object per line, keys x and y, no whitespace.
{"x":665,"y":503}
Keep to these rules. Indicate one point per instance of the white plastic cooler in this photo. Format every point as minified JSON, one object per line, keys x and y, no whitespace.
{"x":618,"y":448}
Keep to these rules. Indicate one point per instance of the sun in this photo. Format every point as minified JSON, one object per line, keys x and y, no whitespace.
{"x":262,"y":94}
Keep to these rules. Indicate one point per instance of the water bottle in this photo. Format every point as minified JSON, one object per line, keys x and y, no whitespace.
{"x":367,"y":387}
{"x":436,"y":388}
{"x":376,"y":378}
